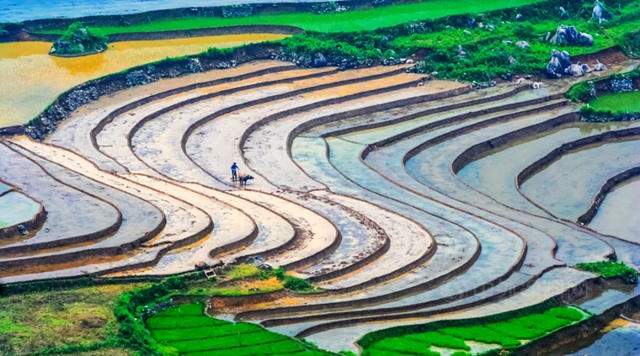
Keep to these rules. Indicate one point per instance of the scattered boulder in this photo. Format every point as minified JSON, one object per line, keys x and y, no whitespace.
{"x":598,"y":67}
{"x":574,"y":70}
{"x":558,"y":63}
{"x":461,"y":52}
{"x":523,"y":44}
{"x":569,"y":35}
{"x":564,"y":14}
{"x":519,"y":17}
{"x":22,"y":230}
{"x":600,"y":12}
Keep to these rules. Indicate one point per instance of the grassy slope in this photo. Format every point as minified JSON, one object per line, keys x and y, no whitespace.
{"x":622,"y":102}
{"x":33,"y":321}
{"x":360,"y":20}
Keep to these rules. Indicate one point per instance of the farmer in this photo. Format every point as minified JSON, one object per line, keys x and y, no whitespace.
{"x":234,"y":171}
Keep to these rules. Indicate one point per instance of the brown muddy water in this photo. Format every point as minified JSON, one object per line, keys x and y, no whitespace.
{"x":32,"y":79}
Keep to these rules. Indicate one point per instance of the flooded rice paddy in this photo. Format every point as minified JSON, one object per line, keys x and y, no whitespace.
{"x":16,"y":208}
{"x":496,"y":172}
{"x":32,"y":79}
{"x":613,"y":216}
{"x":567,"y":186}
{"x":622,"y":338}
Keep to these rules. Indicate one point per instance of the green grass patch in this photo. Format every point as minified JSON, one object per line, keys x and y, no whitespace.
{"x":349,"y":21}
{"x":619,"y":103}
{"x":611,"y":269}
{"x":241,"y":271}
{"x":73,"y":319}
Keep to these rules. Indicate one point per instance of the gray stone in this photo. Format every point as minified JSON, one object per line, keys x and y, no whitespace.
{"x":139,"y":77}
{"x":194,"y":65}
{"x":600,"y":13}
{"x":599,"y":66}
{"x":585,"y":39}
{"x":319,"y":60}
{"x":558,"y":63}
{"x":523,"y":44}
{"x":571,"y":36}
{"x":574,"y":70}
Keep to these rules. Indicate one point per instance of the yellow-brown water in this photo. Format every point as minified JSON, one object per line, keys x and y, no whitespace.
{"x":31,"y":79}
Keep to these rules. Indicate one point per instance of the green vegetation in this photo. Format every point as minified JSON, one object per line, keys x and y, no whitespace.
{"x":349,"y":21}
{"x":506,"y":331}
{"x":242,"y":271}
{"x":79,"y":319}
{"x":76,"y":315}
{"x":619,"y":103}
{"x":611,"y":269}
{"x":79,"y":40}
{"x":178,"y":330}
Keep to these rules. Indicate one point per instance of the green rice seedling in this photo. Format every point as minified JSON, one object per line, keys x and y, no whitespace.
{"x":182,"y":310}
{"x":401,"y":345}
{"x":619,"y":103}
{"x":439,"y":339}
{"x":170,"y":335}
{"x":515,"y":330}
{"x":481,"y":334}
{"x":373,"y":351}
{"x":567,"y":313}
{"x":183,"y":322}
{"x":277,"y":348}
{"x":541,"y":322}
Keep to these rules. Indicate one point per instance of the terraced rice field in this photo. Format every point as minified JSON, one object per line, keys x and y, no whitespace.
{"x":405,"y":199}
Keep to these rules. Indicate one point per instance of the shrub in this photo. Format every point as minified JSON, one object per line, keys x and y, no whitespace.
{"x":297,"y":284}
{"x":611,"y":269}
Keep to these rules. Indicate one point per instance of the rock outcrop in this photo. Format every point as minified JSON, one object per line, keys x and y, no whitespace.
{"x":569,"y":35}
{"x":600,"y":12}
{"x":78,"y":41}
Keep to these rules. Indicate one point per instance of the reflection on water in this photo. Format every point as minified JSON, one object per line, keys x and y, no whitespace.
{"x":613,"y":216}
{"x":80,"y":65}
{"x":31,"y":79}
{"x":621,"y":338}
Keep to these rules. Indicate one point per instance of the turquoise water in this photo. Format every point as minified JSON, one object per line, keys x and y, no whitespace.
{"x":4,"y":188}
{"x":16,"y":208}
{"x":21,"y":10}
